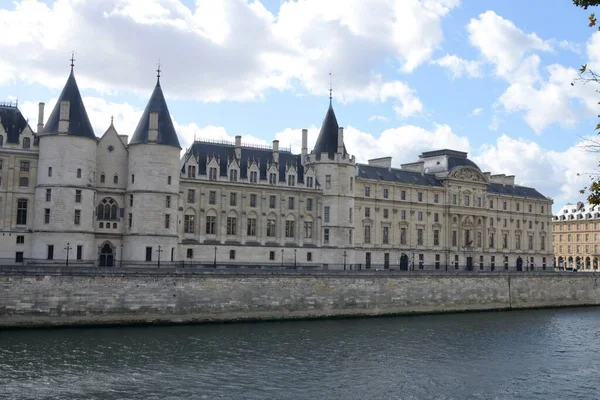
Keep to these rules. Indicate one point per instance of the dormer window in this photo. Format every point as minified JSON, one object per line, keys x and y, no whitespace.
{"x":212,"y":174}
{"x":272,"y":179}
{"x":291,"y":180}
{"x":26,"y":143}
{"x":233,"y":175}
{"x":191,"y":171}
{"x":309,"y":181}
{"x":253,"y":176}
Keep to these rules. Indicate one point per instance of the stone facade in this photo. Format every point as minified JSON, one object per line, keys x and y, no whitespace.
{"x":575,"y":233}
{"x":106,"y":201}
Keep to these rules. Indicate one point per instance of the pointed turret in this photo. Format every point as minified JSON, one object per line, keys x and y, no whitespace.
{"x":328,"y":139}
{"x":69,"y":116}
{"x":156,"y":125}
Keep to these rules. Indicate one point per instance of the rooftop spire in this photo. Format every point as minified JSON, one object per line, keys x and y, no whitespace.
{"x":158,"y":71}
{"x":72,"y":60}
{"x":330,"y":89}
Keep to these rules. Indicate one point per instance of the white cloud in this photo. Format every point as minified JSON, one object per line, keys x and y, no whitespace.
{"x":494,"y":124}
{"x":378,"y":118}
{"x":459,"y":67}
{"x":477,"y":111}
{"x":223,"y":50}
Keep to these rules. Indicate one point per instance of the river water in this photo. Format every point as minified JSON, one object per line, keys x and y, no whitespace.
{"x":542,"y":354}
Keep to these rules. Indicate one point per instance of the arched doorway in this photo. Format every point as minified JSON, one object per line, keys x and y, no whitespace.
{"x":588,"y":263}
{"x":403,"y":262}
{"x":519,"y":264}
{"x":578,"y":262}
{"x":107,"y":257}
{"x":570,"y":263}
{"x":561,"y":263}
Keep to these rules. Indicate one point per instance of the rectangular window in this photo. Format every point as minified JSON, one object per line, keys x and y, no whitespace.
{"x":367,"y":212}
{"x":46,"y":215}
{"x":272,"y":201}
{"x":290,"y":228}
{"x":231,"y":225}
{"x":421,"y":261}
{"x":529,"y":207}
{"x":232,"y":253}
{"x":491,"y":203}
{"x":167,"y":221}
{"x":232,"y":199}
{"x":542,"y":209}
{"x":168,"y":202}
{"x":326,"y":214}
{"x":309,"y":204}
{"x":385,"y":193}
{"x":308,"y":229}
{"x":309,"y":181}
{"x":49,"y":171}
{"x":327,"y":181}
{"x":518,"y":224}
{"x":518,"y":242}
{"x":253,"y":177}
{"x":436,"y":237}
{"x":79,"y":172}
{"x":478,"y":236}
{"x":479,"y":202}
{"x":212,"y":174}
{"x":291,"y":180}
{"x":419,"y":196}
{"x":130,"y":200}
{"x":436,"y":217}
{"x":467,"y":201}
{"x":271,"y":228}
{"x":403,"y":214}
{"x":24,"y":165}
{"x":79,"y":252}
{"x":403,"y":195}
{"x":291,"y":203}
{"x":481,"y":262}
{"x":505,"y":241}
{"x":148,"y":253}
{"x":436,"y":198}
{"x":272,"y":179}
{"x":189,"y":222}
{"x":437,"y":261}
{"x":252,"y":200}
{"x":420,"y":237}
{"x":543,"y":243}
{"x":504,"y":205}
{"x":530,"y":224}
{"x":271,"y":255}
{"x":385,"y":213}
{"x":420,"y":216}
{"x":20,"y":239}
{"x":191,"y":196}
{"x":454,"y":238}
{"x":386,"y":235}
{"x":350,"y":215}
{"x":48,"y":194}
{"x":326,"y":236}
{"x":367,"y":191}
{"x":50,"y":252}
{"x":530,"y":242}
{"x":211,"y":225}
{"x":309,"y":256}
{"x":367,"y":234}
{"x":212,"y":197}
{"x":454,"y":200}
{"x":349,"y":237}
{"x":77,"y":220}
{"x":78,"y":196}
{"x":402,"y":235}
{"x":492,"y":241}
{"x":386,"y":260}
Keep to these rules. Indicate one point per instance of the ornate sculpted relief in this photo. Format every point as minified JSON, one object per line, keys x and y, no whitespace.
{"x":468,"y":174}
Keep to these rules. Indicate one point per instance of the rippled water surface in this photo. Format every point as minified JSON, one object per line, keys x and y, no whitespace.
{"x":544,"y":354}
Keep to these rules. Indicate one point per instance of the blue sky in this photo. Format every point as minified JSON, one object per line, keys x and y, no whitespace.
{"x":489,"y":77}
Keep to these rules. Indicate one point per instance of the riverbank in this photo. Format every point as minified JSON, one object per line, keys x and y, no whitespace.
{"x":88,"y":296}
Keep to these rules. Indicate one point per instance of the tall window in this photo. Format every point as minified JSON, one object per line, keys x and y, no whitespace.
{"x":518,"y":242}
{"x":492,"y":241}
{"x":420,"y":237}
{"x":107,"y":210}
{"x":309,"y":204}
{"x":386,"y":213}
{"x":326,"y":236}
{"x":367,"y":212}
{"x":326,"y":214}
{"x":251,"y":231}
{"x":291,"y":203}
{"x":132,"y":178}
{"x":191,"y":171}
{"x":436,"y":237}
{"x":22,"y":212}
{"x":168,"y":202}
{"x":212,"y":197}
{"x":116,"y":179}
{"x":530,"y":242}
{"x":454,"y":238}
{"x":402,"y":235}
{"x":233,"y":175}
{"x":419,"y":196}
{"x":48,"y":194}
{"x":290,"y":227}
{"x":49,"y":171}
{"x":77,"y":219}
{"x":46,"y":215}
{"x":436,"y":199}
{"x":169,"y":180}
{"x":167,"y":221}
{"x":79,"y":172}
{"x":77,"y":196}
{"x":212,"y":173}
{"x":232,"y":199}
{"x":271,"y":228}
{"x":403,"y":195}
{"x":103,"y":178}
{"x":309,"y":181}
{"x":148,"y":253}
{"x":79,"y":252}
{"x":26,"y":143}
{"x":50,"y":252}
{"x":505,"y":241}
{"x":291,"y":180}
{"x":130,"y":220}
{"x":367,"y":191}
{"x":189,"y":223}
{"x":231,"y":225}
{"x":272,"y":178}
{"x":386,"y":235}
{"x":253,"y":176}
{"x":272,"y":201}
{"x":327,"y":181}
{"x":191,"y":196}
{"x":367,"y":234}
{"x":252,"y":200}
{"x":308,"y":229}
{"x":386,"y":193}
{"x":211,"y":224}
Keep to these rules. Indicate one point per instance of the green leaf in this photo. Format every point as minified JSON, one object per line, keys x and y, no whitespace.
{"x":583,"y":68}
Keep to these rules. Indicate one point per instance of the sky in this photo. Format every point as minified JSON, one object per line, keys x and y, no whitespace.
{"x":492,"y":78}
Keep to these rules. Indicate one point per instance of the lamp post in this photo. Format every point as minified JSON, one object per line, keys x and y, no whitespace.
{"x":159,"y":251}
{"x":344,"y":260}
{"x":294,"y":258}
{"x":215,"y":259}
{"x":282,"y":257}
{"x":121,"y":261}
{"x":68,"y":248}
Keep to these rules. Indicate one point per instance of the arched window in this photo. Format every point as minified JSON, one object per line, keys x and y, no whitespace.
{"x":102,"y":178}
{"x":26,"y":143}
{"x":107,"y":210}
{"x":116,"y":179}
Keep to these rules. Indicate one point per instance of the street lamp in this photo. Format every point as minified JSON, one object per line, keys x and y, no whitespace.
{"x":68,"y":248}
{"x":344,"y":260}
{"x":282,"y":257}
{"x":215,"y":260}
{"x":121,"y":262}
{"x":159,"y":251}
{"x":294,"y":258}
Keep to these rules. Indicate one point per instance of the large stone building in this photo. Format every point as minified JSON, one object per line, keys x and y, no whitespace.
{"x":109,"y":201}
{"x":575,"y":231}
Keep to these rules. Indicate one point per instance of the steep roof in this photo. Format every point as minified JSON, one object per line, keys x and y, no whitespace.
{"x":327,"y":141}
{"x":79,"y":123}
{"x":13,"y":122}
{"x":200,"y":150}
{"x":166,"y":131}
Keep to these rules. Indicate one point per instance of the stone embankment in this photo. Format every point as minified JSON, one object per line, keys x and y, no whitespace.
{"x":88,"y":296}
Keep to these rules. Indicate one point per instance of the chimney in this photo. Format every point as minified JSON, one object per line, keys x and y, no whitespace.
{"x":40,"y":126}
{"x":63,"y":118}
{"x":276,"y":151}
{"x":153,"y":127}
{"x":238,"y":147}
{"x":340,"y":147}
{"x":304,"y":145}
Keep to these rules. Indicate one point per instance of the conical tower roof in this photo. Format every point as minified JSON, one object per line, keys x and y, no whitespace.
{"x":79,"y":123}
{"x":327,"y":141}
{"x":166,"y":131}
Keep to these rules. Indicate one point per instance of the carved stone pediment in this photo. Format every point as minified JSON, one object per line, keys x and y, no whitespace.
{"x":467,"y":174}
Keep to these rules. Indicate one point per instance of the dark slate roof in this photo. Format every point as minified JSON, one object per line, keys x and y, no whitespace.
{"x":416,"y":178}
{"x":454,"y":162}
{"x":79,"y":123}
{"x":200,"y":150}
{"x":327,"y":141}
{"x":519,"y":191}
{"x":166,"y":131}
{"x":13,"y":122}
{"x":397,"y":175}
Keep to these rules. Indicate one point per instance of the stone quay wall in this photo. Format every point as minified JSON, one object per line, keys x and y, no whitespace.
{"x":85,"y":296}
